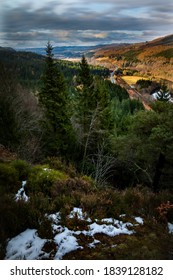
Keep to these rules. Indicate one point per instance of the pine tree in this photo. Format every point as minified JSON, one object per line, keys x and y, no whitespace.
{"x":85,"y":77}
{"x":54,"y":99}
{"x":92,"y":111}
{"x":86,"y":101}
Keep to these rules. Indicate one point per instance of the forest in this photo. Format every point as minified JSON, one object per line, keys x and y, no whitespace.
{"x":71,"y":138}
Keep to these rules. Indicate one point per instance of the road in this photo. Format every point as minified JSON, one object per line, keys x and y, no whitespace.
{"x":133,"y":93}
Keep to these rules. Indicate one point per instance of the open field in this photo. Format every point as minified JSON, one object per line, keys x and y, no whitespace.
{"x":133,"y":79}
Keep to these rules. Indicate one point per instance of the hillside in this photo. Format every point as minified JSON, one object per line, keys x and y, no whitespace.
{"x":85,"y":171}
{"x":152,"y":59}
{"x":53,"y":213}
{"x":27,"y":66}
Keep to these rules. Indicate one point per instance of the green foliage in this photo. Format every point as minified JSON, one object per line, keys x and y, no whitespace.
{"x":92,"y":117}
{"x":22,"y":167}
{"x":42,"y":178}
{"x":27,"y":66}
{"x":167,"y":53}
{"x":131,"y":55}
{"x":85,"y":76}
{"x":9,"y":178}
{"x":144,"y":83}
{"x":149,"y":134}
{"x":116,"y":91}
{"x":9,"y":133}
{"x":54,"y":99}
{"x":60,"y":164}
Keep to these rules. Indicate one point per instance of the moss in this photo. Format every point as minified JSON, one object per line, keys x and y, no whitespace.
{"x":42,"y":178}
{"x":58,"y":163}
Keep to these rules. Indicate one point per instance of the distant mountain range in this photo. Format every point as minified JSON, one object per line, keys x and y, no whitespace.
{"x":66,"y":52}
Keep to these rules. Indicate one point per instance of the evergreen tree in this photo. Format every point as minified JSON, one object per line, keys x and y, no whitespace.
{"x":86,"y":102}
{"x":93,"y":113}
{"x":85,"y":77}
{"x":54,"y":99}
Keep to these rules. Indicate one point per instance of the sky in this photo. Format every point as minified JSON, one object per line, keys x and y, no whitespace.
{"x":32,"y":23}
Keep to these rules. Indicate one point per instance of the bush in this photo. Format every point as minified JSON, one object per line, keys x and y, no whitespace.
{"x":144,"y":83}
{"x":22,"y":167}
{"x":58,"y":163}
{"x":13,"y":219}
{"x":42,"y":178}
{"x":9,"y":178}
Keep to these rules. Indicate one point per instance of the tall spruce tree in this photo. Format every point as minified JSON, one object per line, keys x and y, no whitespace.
{"x":54,"y":99}
{"x":92,"y":112}
{"x":86,"y":99}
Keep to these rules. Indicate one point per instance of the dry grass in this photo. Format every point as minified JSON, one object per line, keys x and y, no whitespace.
{"x":132,"y":79}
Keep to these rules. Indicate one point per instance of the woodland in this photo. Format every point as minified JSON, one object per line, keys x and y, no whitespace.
{"x":78,"y":140}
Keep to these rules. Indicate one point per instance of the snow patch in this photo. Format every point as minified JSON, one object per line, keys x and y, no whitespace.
{"x":109,"y":230}
{"x":21,"y":193}
{"x":170,"y":227}
{"x":77,"y":212}
{"x":92,"y":244}
{"x":139,"y":220}
{"x":66,"y":243}
{"x":27,"y":245}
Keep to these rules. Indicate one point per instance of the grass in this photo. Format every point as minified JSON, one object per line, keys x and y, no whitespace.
{"x":133,"y":79}
{"x":131,"y":55}
{"x":166,"y":53}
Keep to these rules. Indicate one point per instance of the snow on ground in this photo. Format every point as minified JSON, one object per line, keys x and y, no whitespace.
{"x":77,"y":212}
{"x":28,"y":245}
{"x":139,"y":220}
{"x":109,"y":230}
{"x":170,"y":227}
{"x":66,"y":242}
{"x":21,"y":193}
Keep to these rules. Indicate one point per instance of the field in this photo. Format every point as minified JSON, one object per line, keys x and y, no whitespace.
{"x":132,"y":79}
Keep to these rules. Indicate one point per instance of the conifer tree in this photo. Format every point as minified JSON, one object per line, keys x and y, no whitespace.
{"x":54,"y":98}
{"x":86,"y":100}
{"x":92,"y":112}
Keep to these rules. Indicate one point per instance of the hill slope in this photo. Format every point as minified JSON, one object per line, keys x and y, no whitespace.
{"x":150,"y":59}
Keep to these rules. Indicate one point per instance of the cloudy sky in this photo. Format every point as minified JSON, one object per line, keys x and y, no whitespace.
{"x":31,"y":23}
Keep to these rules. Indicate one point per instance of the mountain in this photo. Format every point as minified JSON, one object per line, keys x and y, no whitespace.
{"x":64,"y":51}
{"x":152,"y":59}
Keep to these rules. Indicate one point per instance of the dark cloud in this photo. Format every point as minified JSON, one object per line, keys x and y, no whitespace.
{"x":80,"y":21}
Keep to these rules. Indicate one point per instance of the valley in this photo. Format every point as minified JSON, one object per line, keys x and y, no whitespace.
{"x":153,"y":60}
{"x":86,"y":154}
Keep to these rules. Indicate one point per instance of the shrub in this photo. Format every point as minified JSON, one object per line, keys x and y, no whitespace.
{"x":13,"y":219}
{"x":45,"y":229}
{"x":58,"y":163}
{"x":9,"y":178}
{"x":42,"y":178}
{"x":22,"y":167}
{"x":144,"y":83}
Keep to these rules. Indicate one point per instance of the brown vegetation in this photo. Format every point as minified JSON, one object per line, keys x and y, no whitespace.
{"x":149,"y":59}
